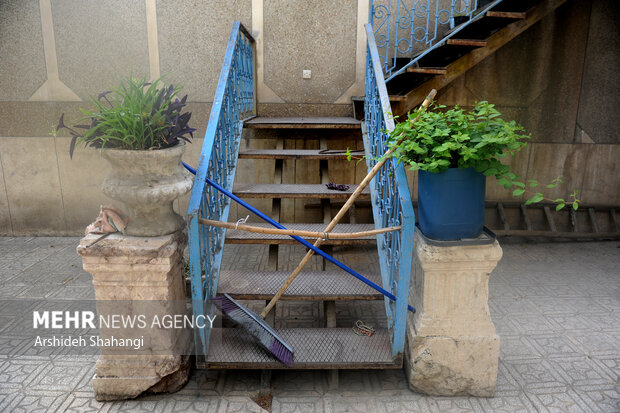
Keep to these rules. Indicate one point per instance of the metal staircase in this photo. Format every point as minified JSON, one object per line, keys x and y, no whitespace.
{"x":333,"y":345}
{"x":428,"y":48}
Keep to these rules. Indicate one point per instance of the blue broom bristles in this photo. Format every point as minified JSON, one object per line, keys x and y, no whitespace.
{"x":257,"y":327}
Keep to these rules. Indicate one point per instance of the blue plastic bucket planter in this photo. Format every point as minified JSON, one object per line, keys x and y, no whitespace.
{"x":451,"y":203}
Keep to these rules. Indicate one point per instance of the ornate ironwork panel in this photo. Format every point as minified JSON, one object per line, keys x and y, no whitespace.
{"x":234,"y":101}
{"x":391,"y":199}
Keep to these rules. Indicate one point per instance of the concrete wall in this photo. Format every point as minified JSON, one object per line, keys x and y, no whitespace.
{"x":55,"y":54}
{"x":558,"y":79}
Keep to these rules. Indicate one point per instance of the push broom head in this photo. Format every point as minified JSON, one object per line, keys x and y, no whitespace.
{"x":257,"y":327}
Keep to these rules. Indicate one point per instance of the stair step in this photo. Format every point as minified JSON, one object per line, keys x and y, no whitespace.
{"x":484,"y":27}
{"x":430,"y":66}
{"x":427,"y":70}
{"x":308,"y":286}
{"x":315,"y":348}
{"x":243,"y":237}
{"x":294,"y":191}
{"x":291,"y":154}
{"x":507,"y":14}
{"x":444,"y":55}
{"x":303,"y":123}
{"x":466,"y":42}
{"x":397,"y":98}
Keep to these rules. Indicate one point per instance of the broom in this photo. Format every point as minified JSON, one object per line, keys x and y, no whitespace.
{"x":257,"y":327}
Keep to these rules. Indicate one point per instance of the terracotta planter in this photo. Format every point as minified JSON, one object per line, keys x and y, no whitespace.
{"x":147,"y":183}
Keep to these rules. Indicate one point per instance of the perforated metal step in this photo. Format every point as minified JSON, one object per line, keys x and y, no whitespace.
{"x":322,"y":285}
{"x":294,"y":191}
{"x":292,"y":154}
{"x":303,"y":123}
{"x":242,"y":237}
{"x":315,"y":348}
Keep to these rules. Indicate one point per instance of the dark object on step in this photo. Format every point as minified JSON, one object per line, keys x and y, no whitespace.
{"x":337,"y":187}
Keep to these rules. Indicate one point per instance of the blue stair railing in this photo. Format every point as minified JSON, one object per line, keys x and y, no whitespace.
{"x":234,"y":101}
{"x":391,"y":199}
{"x":412,"y":29}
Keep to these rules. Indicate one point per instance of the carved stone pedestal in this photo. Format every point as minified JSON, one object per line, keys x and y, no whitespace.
{"x":139,"y":276}
{"x":452,"y":347}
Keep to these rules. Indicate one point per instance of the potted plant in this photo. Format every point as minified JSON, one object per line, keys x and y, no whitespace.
{"x":454,"y":151}
{"x":140,"y":129}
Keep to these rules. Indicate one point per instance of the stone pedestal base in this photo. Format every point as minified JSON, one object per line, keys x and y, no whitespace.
{"x":132,"y":376}
{"x":452,"y":348}
{"x":133,"y":276}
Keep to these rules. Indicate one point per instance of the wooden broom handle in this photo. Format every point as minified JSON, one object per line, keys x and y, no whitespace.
{"x":295,"y":232}
{"x":345,"y":208}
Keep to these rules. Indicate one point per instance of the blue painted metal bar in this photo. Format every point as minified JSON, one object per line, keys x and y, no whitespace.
{"x":234,"y":101}
{"x":298,"y":239}
{"x":391,"y":199}
{"x":412,"y":29}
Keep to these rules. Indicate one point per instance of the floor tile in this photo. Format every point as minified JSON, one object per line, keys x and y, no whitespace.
{"x":555,"y":307}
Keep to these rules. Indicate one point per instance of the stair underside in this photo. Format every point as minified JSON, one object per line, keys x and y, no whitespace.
{"x":292,"y":154}
{"x":303,"y":123}
{"x":405,"y":102}
{"x":242,"y":237}
{"x":294,"y":191}
{"x":323,"y":286}
{"x":315,"y":348}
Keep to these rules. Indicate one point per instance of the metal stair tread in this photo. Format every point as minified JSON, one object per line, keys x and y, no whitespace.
{"x":312,"y":285}
{"x":303,"y":123}
{"x":445,"y":55}
{"x":428,"y":70}
{"x":507,"y":14}
{"x":315,"y":348}
{"x":242,"y":237}
{"x":294,"y":191}
{"x":467,"y":42}
{"x":290,"y":154}
{"x":484,"y":27}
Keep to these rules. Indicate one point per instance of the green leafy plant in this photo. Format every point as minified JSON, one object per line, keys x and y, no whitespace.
{"x":137,"y":115}
{"x":479,"y":139}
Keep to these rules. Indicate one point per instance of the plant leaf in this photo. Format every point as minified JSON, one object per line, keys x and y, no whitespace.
{"x":537,"y":198}
{"x":72,"y":146}
{"x":61,"y":122}
{"x":103,"y":94}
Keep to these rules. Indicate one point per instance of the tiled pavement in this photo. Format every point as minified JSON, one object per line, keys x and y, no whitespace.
{"x":556,"y":308}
